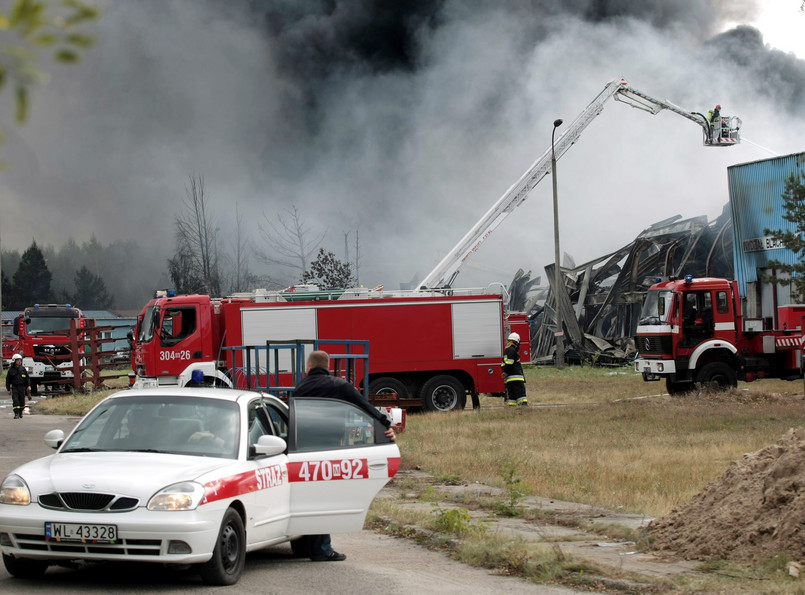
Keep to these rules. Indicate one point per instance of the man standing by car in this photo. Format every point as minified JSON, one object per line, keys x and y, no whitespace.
{"x":18,"y":384}
{"x":320,"y":383}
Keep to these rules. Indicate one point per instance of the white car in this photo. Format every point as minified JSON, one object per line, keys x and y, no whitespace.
{"x":193,"y":476}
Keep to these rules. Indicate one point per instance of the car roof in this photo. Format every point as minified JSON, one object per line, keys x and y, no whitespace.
{"x":225,"y":394}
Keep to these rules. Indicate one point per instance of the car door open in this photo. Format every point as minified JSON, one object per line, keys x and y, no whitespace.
{"x":338,"y":460}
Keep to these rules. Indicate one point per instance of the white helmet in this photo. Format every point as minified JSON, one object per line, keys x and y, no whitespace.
{"x":514,"y":337}
{"x":16,"y":356}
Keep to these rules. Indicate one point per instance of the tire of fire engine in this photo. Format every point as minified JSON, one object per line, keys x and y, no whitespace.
{"x":301,"y":546}
{"x":717,"y":375}
{"x":229,"y":556}
{"x":443,"y":393}
{"x":24,"y":567}
{"x":677,"y":388}
{"x":386,"y":384}
{"x":34,"y":388}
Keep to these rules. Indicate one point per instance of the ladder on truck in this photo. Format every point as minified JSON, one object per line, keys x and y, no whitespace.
{"x":260,"y":367}
{"x":724,"y":133}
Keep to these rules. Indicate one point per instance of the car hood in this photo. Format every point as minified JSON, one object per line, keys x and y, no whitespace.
{"x":137,"y":475}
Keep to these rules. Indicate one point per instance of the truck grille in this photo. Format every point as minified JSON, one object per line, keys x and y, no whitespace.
{"x":124,"y":547}
{"x":653,"y":345}
{"x":83,"y":501}
{"x":51,"y":350}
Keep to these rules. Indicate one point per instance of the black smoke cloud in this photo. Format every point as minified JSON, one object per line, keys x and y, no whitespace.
{"x":402,"y":120}
{"x":776,"y":75}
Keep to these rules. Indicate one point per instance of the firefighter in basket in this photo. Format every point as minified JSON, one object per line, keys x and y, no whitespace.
{"x":513,"y":373}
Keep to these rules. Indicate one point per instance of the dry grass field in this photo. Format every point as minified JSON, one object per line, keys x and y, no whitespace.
{"x":605,"y":437}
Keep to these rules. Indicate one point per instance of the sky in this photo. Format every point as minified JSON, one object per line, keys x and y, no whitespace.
{"x":398,"y":124}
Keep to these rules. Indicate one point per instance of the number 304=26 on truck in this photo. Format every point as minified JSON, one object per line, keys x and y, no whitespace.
{"x":172,"y":355}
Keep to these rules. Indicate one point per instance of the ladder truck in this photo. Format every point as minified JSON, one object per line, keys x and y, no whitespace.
{"x":724,"y":132}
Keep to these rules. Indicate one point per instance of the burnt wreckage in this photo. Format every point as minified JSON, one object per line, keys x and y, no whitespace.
{"x":601,"y":300}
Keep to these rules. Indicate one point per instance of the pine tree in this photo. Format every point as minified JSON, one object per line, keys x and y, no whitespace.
{"x":31,"y":281}
{"x":90,"y":291}
{"x":329,"y":272}
{"x":793,"y":239}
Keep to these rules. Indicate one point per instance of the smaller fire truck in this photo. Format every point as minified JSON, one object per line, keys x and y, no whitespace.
{"x":692,"y":331}
{"x":430,"y":348}
{"x":10,"y":343}
{"x":44,"y":342}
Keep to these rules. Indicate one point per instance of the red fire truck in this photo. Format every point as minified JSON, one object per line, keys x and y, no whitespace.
{"x":43,"y":332}
{"x":10,"y":343}
{"x":692,"y":331}
{"x":431,"y":348}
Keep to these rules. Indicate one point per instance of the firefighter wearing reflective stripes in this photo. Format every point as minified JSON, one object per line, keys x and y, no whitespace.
{"x":513,"y":372}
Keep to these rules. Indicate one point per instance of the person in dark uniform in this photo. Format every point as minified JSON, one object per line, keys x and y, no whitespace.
{"x":513,"y":373}
{"x":320,"y":383}
{"x":18,"y":384}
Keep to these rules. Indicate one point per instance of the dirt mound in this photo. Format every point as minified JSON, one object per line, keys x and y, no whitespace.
{"x":753,"y":512}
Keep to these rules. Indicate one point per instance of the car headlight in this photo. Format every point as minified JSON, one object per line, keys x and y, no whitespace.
{"x":15,"y":491}
{"x":179,"y":496}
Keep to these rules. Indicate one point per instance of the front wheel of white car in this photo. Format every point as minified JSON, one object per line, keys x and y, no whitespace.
{"x":24,"y":567}
{"x":229,"y":555}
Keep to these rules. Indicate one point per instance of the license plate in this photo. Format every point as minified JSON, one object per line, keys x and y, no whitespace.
{"x":81,"y":532}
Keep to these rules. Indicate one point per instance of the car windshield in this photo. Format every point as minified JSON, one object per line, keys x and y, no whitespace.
{"x":176,"y":425}
{"x":656,"y":308}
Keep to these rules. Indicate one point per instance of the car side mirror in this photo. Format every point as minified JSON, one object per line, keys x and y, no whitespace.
{"x":270,"y":445}
{"x":54,"y":438}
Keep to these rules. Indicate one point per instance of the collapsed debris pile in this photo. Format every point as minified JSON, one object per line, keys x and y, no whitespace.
{"x":602,"y":299}
{"x":753,"y":512}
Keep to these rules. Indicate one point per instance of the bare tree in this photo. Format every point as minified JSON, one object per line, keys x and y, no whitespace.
{"x":288,"y":242}
{"x":239,"y":271}
{"x":195,"y":266}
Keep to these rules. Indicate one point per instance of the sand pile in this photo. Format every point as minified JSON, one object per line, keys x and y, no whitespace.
{"x":753,"y":512}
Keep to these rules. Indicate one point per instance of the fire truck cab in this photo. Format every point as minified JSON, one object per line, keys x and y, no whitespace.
{"x":693,"y":331}
{"x":44,"y":342}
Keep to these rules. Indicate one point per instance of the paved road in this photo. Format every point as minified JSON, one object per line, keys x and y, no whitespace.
{"x":375,"y":563}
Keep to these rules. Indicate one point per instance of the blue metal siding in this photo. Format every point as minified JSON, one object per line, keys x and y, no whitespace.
{"x":755,"y":191}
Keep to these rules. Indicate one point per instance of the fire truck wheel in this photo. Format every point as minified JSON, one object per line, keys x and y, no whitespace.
{"x":386,"y":385}
{"x":34,"y":388}
{"x":677,"y":388}
{"x":717,"y":375}
{"x":443,"y":393}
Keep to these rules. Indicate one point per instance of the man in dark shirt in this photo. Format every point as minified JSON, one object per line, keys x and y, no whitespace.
{"x":320,"y":383}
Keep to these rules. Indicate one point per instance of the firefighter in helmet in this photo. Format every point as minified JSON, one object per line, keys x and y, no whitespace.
{"x":716,"y":122}
{"x":18,"y":384}
{"x":513,"y":373}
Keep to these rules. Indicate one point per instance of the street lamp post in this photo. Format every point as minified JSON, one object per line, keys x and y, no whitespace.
{"x":558,"y":283}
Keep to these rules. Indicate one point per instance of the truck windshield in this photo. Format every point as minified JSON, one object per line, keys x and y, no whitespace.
{"x":47,"y":324}
{"x":150,"y":320}
{"x":657,"y":307}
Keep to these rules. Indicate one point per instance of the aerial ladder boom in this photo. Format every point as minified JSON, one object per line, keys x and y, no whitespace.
{"x":724,"y":133}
